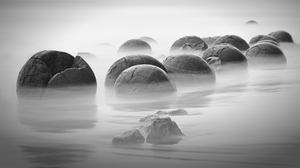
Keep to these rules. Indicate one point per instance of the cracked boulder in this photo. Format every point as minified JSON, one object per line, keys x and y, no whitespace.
{"x":282,"y":36}
{"x":143,"y":80}
{"x":129,"y":137}
{"x":188,"y":45}
{"x":163,"y":131}
{"x":126,"y":62}
{"x":189,"y":69}
{"x":265,"y":54}
{"x":259,"y":38}
{"x":134,"y":46}
{"x":222,"y":57}
{"x":234,"y":40}
{"x":44,"y":65}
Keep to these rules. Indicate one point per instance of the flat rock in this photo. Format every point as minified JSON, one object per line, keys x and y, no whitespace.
{"x":129,"y":137}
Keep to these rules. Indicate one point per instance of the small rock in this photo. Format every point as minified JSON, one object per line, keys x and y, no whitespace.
{"x":251,"y":22}
{"x":163,"y":131}
{"x":129,"y":137}
{"x":178,"y":112}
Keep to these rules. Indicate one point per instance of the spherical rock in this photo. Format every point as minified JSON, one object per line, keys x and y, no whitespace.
{"x":268,"y":41}
{"x":188,"y":45}
{"x":220,"y":56}
{"x":135,"y":46}
{"x":210,"y":40}
{"x":80,"y":74}
{"x":234,"y":40}
{"x":44,"y":66}
{"x":126,"y":62}
{"x":265,"y":54}
{"x":189,"y":69}
{"x":143,"y":79}
{"x":129,"y":137}
{"x":282,"y":36}
{"x":149,"y":40}
{"x":258,"y":38}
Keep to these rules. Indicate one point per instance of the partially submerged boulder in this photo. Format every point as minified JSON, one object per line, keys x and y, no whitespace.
{"x":189,"y":69}
{"x":268,"y":41}
{"x":163,"y":131}
{"x":135,"y":46}
{"x":210,"y":40}
{"x":143,"y":79}
{"x":251,"y":22}
{"x":126,"y":62}
{"x":39,"y":70}
{"x":188,"y":45}
{"x":265,"y":54}
{"x":129,"y":137}
{"x":149,"y":40}
{"x":259,"y":38}
{"x":282,"y":36}
{"x":234,"y":40}
{"x":223,"y":57}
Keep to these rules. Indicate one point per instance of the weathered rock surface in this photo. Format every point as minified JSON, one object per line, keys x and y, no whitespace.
{"x":265,"y":53}
{"x":210,"y":40}
{"x":80,"y":74}
{"x":188,"y":45}
{"x":189,"y":68}
{"x":163,"y":131}
{"x":259,"y":38}
{"x":129,"y":137}
{"x":143,"y":79}
{"x":282,"y":36}
{"x":135,"y":46}
{"x":234,"y":40}
{"x":222,"y":55}
{"x":120,"y":65}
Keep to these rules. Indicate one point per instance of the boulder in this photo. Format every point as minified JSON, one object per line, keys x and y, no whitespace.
{"x":178,"y":112}
{"x":135,"y":46}
{"x":163,"y":131}
{"x":129,"y":137}
{"x":45,"y":66}
{"x":234,"y":40}
{"x":258,"y":38}
{"x":210,"y":40}
{"x":149,"y":40}
{"x":282,"y":36}
{"x":80,"y":74}
{"x":189,"y":69}
{"x":265,"y":54}
{"x":126,"y":62}
{"x":188,"y":45}
{"x":225,"y":57}
{"x":251,"y":22}
{"x":143,"y":79}
{"x":86,"y":55}
{"x":269,"y":41}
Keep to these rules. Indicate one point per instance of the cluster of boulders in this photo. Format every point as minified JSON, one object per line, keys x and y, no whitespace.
{"x":157,"y":128}
{"x":54,"y":69}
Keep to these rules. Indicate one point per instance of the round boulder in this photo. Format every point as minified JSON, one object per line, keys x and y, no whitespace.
{"x":142,"y":80}
{"x":45,"y":65}
{"x":265,"y":54}
{"x":188,"y":45}
{"x":258,"y":38}
{"x":225,"y":57}
{"x":282,"y":36}
{"x":120,"y":65}
{"x":234,"y":40}
{"x":269,"y":41}
{"x":189,"y":69}
{"x":251,"y":22}
{"x":210,"y":40}
{"x":149,"y":40}
{"x":135,"y":46}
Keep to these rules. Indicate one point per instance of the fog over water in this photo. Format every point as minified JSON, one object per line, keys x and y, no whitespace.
{"x":242,"y":121}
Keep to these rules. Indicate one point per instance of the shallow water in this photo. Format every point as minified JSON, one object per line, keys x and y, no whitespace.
{"x":243,"y":121}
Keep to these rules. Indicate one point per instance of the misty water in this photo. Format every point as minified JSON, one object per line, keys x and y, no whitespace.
{"x":243,"y":121}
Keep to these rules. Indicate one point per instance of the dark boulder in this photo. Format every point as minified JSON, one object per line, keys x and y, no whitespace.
{"x":188,"y":45}
{"x":282,"y":36}
{"x":163,"y":131}
{"x":189,"y":69}
{"x":126,"y":62}
{"x":135,"y":46}
{"x":251,"y":22}
{"x":265,"y":54}
{"x":80,"y":74}
{"x":258,"y":38}
{"x":129,"y":137}
{"x":143,"y":79}
{"x":220,"y":56}
{"x":210,"y":40}
{"x":269,"y":41}
{"x":234,"y":40}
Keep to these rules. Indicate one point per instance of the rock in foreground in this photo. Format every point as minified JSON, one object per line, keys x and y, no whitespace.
{"x":129,"y":137}
{"x":163,"y":131}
